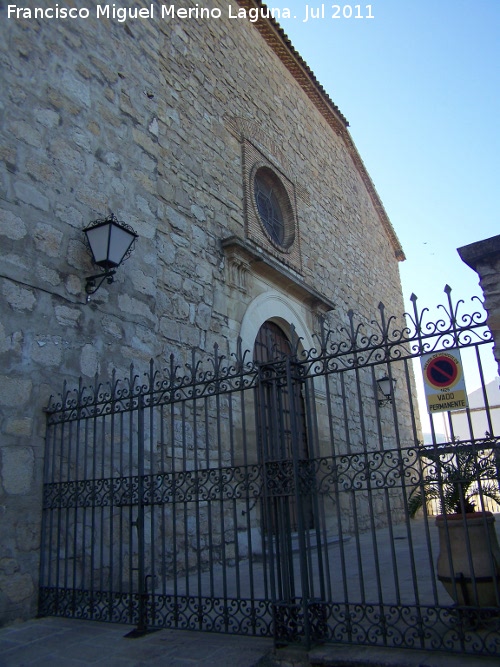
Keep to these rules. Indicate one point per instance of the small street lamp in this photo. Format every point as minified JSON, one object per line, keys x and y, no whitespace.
{"x":111,"y":242}
{"x":386,"y":388}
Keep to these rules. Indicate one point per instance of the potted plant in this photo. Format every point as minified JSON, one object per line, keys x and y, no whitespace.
{"x":468,"y":564}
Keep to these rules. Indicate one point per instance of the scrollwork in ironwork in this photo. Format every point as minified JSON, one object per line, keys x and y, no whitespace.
{"x":349,"y":347}
{"x":279,"y":478}
{"x":288,"y":620}
{"x":212,"y":614}
{"x":431,"y":628}
{"x":365,"y":470}
{"x":353,"y":346}
{"x":181,"y":487}
{"x":204,"y":485}
{"x":118,"y":491}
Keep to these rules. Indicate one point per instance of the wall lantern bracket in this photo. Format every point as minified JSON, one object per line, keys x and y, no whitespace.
{"x":386,"y":387}
{"x":111,"y":242}
{"x":91,"y":285}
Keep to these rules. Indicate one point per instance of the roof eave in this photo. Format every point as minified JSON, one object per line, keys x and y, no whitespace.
{"x":278,"y":41}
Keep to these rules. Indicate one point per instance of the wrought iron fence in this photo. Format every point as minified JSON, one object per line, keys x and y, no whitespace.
{"x":270,"y":498}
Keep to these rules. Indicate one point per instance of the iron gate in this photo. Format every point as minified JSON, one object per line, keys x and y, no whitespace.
{"x":168,"y":496}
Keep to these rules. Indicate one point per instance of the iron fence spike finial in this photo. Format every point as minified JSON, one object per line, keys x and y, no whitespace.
{"x":131,"y":378}
{"x":216,"y":360}
{"x":385,"y":324}
{"x":350,"y":315}
{"x":322,"y":332}
{"x":240,"y":357}
{"x":193,"y":365}
{"x":64,"y":396}
{"x":151,"y":374}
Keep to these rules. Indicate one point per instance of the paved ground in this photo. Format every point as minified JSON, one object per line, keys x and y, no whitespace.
{"x":59,"y":642}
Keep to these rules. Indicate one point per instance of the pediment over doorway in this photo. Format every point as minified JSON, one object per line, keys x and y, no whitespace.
{"x":244,"y":258}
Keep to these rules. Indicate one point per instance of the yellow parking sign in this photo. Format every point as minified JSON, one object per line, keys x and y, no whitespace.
{"x":444,"y":381}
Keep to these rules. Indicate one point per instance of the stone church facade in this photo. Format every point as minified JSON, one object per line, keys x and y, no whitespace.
{"x":215,"y":142}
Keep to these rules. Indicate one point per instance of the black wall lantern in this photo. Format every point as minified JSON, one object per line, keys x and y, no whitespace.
{"x":111,"y":242}
{"x":386,"y":387}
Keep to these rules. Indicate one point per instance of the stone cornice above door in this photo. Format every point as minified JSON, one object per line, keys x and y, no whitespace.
{"x":244,"y":258}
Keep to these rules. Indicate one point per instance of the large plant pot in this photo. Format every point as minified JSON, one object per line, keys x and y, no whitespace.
{"x":469,"y":558}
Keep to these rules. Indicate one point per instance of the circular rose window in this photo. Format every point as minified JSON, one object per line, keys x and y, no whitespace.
{"x":273,"y":206}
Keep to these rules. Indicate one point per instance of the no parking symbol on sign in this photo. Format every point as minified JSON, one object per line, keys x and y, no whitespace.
{"x":444,"y":381}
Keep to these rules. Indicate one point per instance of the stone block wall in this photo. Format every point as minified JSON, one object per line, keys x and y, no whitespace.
{"x":484,"y":258}
{"x":138,"y":118}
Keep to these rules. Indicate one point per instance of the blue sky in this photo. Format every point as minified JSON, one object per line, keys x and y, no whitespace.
{"x":420,"y":86}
